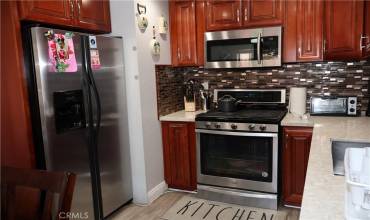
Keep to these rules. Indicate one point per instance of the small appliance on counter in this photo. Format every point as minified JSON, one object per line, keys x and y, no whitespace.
{"x":189,"y":97}
{"x":334,"y":105}
{"x":297,"y":101}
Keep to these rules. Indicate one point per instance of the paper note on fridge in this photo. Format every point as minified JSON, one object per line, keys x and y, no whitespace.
{"x":61,"y":53}
{"x":95,"y":60}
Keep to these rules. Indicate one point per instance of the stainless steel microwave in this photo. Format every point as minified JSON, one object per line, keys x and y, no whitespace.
{"x":260,"y":47}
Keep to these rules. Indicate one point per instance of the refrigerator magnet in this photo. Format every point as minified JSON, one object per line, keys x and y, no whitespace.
{"x":61,"y":52}
{"x":92,"y":42}
{"x":95,"y":60}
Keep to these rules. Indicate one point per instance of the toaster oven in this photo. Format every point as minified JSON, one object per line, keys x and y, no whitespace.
{"x":335,"y":106}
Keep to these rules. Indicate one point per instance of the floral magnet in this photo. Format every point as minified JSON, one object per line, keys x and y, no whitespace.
{"x":61,"y":52}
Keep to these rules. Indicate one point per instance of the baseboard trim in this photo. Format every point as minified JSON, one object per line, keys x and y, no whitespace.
{"x":181,"y":190}
{"x":292,"y":206}
{"x":157,"y":191}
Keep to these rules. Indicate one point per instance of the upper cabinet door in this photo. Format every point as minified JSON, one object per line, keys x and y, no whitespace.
{"x":262,"y":12}
{"x":223,"y":14}
{"x":183,"y":33}
{"x":52,"y":12}
{"x":93,"y":15}
{"x":343,"y":29}
{"x":309,"y":30}
{"x":366,"y":36}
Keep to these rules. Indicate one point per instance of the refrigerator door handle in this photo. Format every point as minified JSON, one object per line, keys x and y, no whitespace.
{"x":93,"y":129}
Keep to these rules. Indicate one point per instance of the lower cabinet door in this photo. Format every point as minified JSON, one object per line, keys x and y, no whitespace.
{"x":296,"y":150}
{"x":179,"y":154}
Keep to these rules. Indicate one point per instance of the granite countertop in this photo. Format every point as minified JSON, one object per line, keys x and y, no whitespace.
{"x":291,"y":120}
{"x":323,"y":196}
{"x":180,"y":116}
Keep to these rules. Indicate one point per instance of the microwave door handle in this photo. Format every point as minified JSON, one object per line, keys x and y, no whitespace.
{"x":259,"y":48}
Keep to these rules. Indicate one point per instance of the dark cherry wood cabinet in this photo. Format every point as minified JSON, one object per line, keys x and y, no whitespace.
{"x":262,"y":12}
{"x":309,"y":30}
{"x":200,"y":17}
{"x":87,"y":15}
{"x":296,"y":150}
{"x":343,"y":29}
{"x":366,"y":35}
{"x":183,"y":33}
{"x":93,"y":15}
{"x":235,"y":14}
{"x":222,"y":14}
{"x":303,"y":31}
{"x":179,"y":154}
{"x":52,"y":12}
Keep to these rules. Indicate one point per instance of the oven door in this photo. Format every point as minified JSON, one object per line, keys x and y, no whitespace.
{"x":237,"y":159}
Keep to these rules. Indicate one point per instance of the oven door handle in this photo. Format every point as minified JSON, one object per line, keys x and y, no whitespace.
{"x":247,"y":134}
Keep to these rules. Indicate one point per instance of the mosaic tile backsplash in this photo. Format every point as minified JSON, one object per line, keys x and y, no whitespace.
{"x":320,"y":78}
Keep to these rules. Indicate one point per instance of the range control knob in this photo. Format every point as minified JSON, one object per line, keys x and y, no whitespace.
{"x":208,"y":125}
{"x":263,"y":127}
{"x":352,"y":102}
{"x":234,"y":126}
{"x":251,"y":126}
{"x":352,"y":110}
{"x":218,"y":125}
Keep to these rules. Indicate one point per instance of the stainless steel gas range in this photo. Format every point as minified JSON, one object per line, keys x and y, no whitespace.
{"x":237,"y":152}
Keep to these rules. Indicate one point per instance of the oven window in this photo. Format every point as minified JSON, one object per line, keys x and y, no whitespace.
{"x":232,"y":50}
{"x":270,"y":47}
{"x":240,"y":157}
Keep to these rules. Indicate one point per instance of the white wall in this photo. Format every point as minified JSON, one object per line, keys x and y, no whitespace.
{"x":144,"y":127}
{"x":151,"y":125}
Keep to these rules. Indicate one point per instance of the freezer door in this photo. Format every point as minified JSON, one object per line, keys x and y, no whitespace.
{"x":113,"y":139}
{"x":62,"y":116}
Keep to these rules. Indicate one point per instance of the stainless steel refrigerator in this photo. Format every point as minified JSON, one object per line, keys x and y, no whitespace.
{"x":79,"y":114}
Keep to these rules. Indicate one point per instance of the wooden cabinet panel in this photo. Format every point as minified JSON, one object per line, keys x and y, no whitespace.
{"x":52,"y":12}
{"x":343,"y":28}
{"x":296,"y":142}
{"x":17,"y":148}
{"x":179,"y":154}
{"x":303,"y":31}
{"x":309,"y":30}
{"x":183,"y":33}
{"x":201,"y":29}
{"x":79,"y":14}
{"x":223,"y":14}
{"x":93,"y":15}
{"x":262,"y":12}
{"x":366,"y":40}
{"x":290,"y":32}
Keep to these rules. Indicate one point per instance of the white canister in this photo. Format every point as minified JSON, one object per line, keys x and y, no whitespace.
{"x":297,"y":101}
